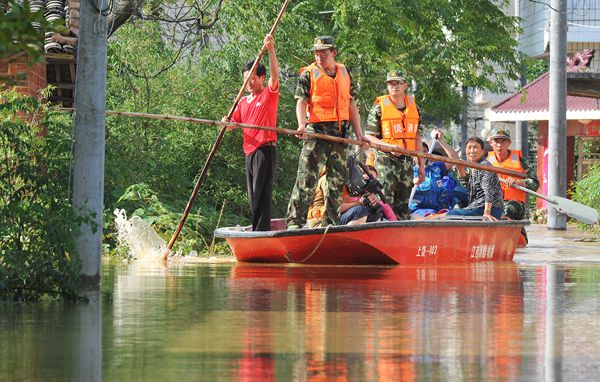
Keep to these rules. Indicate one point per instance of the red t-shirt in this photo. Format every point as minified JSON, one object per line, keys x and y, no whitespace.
{"x":261,"y":111}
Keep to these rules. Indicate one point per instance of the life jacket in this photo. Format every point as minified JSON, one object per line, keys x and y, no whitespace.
{"x":397,"y":127}
{"x":437,"y":192}
{"x":329,"y":96}
{"x":513,"y":162}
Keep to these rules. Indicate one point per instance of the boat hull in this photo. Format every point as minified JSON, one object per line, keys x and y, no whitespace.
{"x":384,"y":243}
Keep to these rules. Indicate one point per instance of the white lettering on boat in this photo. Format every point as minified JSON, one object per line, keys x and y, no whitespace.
{"x":427,"y":250}
{"x":483,"y":251}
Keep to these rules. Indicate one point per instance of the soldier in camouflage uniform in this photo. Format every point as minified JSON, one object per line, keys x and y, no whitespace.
{"x":515,"y":201}
{"x":395,"y":120}
{"x":325,"y":92}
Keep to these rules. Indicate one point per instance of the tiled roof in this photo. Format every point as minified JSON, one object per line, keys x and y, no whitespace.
{"x":536,"y":104}
{"x":537,"y":99}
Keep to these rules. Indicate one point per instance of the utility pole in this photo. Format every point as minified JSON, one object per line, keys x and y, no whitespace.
{"x":464,"y":122}
{"x":521,"y":128}
{"x":557,"y":129}
{"x":90,"y":107}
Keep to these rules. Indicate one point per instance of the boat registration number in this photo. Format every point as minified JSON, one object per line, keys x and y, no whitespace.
{"x":427,"y":250}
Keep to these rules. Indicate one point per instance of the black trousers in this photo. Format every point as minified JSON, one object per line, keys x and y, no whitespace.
{"x":260,"y":175}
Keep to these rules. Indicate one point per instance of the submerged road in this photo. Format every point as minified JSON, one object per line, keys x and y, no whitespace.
{"x":555,"y":246}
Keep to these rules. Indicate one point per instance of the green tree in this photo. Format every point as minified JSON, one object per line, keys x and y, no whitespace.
{"x":442,"y":45}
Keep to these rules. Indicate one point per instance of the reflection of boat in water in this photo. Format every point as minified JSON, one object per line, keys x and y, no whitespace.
{"x":383,"y":243}
{"x":392,"y":279}
{"x":403,"y":323}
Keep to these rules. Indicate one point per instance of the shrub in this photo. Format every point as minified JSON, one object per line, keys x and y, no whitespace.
{"x":37,"y":250}
{"x":586,"y":191}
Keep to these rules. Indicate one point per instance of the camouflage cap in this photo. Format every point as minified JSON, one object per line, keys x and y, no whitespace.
{"x":394,"y":75}
{"x":500,"y":133}
{"x":323,"y":42}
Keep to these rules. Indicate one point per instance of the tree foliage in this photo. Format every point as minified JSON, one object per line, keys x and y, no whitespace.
{"x":37,"y":252}
{"x":441,"y":45}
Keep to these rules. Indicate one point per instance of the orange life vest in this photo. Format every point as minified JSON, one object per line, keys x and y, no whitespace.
{"x":397,"y":127}
{"x":329,"y":96}
{"x":513,"y":162}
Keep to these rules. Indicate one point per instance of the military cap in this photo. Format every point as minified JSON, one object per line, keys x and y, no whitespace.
{"x":323,"y":42}
{"x":394,"y":75}
{"x":500,"y":133}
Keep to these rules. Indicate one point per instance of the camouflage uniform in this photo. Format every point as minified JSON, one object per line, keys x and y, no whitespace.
{"x":395,"y":172}
{"x":316,"y":153}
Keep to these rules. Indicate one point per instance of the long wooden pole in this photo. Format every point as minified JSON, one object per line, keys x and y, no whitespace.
{"x":384,"y":148}
{"x":217,"y":143}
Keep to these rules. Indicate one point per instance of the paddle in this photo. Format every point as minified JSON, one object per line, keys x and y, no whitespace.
{"x":581,"y":212}
{"x":220,"y":138}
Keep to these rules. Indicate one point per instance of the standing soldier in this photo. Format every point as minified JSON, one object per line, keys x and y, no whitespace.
{"x":326,"y":93}
{"x":395,"y":120}
{"x":514,"y":200}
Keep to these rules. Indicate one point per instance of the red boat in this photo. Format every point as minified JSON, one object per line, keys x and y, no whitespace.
{"x":382,"y":243}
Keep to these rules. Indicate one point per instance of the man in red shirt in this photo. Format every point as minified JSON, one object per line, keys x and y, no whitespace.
{"x":260,"y":108}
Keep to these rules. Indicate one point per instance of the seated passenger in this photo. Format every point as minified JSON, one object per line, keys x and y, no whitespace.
{"x":439,"y":191}
{"x":485,"y":193}
{"x":366,"y":207}
{"x":317,"y":207}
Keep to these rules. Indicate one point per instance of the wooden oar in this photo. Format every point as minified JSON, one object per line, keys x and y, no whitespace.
{"x":581,"y":212}
{"x":220,"y":138}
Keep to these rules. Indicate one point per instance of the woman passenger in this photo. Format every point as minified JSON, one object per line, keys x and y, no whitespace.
{"x":485,"y":193}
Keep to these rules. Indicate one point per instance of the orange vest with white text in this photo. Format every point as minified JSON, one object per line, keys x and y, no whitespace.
{"x":399,"y":127}
{"x":329,"y":96}
{"x":513,"y":162}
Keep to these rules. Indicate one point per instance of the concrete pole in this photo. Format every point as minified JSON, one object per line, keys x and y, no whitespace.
{"x":464,"y":122}
{"x":557,"y":130}
{"x":521,"y":128}
{"x":90,"y":106}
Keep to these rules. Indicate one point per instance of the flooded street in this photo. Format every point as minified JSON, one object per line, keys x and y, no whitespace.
{"x":534,"y":319}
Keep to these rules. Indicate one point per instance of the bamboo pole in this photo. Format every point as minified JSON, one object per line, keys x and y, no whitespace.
{"x":383,"y":148}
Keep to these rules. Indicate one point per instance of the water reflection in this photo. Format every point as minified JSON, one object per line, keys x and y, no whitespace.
{"x":88,"y":339}
{"x":401,"y":323}
{"x":51,"y":341}
{"x":259,"y":323}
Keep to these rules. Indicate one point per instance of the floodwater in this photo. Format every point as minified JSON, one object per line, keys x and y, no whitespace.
{"x":534,"y":319}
